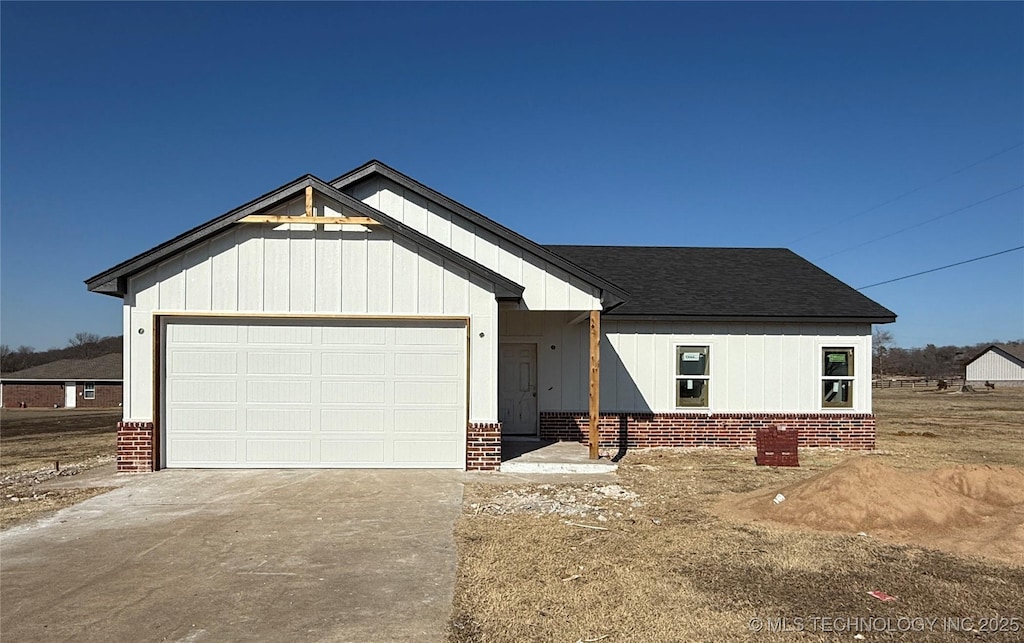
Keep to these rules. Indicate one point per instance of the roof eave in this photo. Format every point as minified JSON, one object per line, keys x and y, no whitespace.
{"x":114,"y":281}
{"x":751,"y":318}
{"x":612,"y":294}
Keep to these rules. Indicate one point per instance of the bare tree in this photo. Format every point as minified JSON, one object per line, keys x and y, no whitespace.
{"x":80,"y":339}
{"x":881,"y":342}
{"x":83,"y":345}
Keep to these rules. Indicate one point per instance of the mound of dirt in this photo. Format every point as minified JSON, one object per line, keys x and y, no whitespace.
{"x":964,"y":509}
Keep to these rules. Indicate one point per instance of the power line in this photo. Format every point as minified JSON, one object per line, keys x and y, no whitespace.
{"x":913,"y":191}
{"x":925,"y":272}
{"x":921,"y":223}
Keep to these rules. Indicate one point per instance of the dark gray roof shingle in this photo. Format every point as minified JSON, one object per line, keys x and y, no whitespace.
{"x":723,"y":283}
{"x":102,"y":368}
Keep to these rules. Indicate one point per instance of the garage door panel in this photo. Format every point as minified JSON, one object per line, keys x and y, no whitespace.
{"x":203,"y":451}
{"x":427,"y":393}
{"x":424,"y":452}
{"x":257,"y":419}
{"x":203,"y":333}
{"x":314,"y":393}
{"x":353,"y":364}
{"x":422,"y":421}
{"x":438,"y":364}
{"x":352,"y":452}
{"x":279,"y":363}
{"x":185,"y":420}
{"x":203,"y":363}
{"x":355,"y":335}
{"x":286,"y":335}
{"x":279,"y":451}
{"x":417,"y":336}
{"x":353,"y":392}
{"x":205,"y":390}
{"x":278,"y":391}
{"x":351,"y":420}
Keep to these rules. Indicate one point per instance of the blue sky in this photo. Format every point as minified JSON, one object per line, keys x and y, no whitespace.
{"x":122,"y":125}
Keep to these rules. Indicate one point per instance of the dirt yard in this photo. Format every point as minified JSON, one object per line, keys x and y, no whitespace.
{"x":32,"y":445}
{"x":666,"y":552}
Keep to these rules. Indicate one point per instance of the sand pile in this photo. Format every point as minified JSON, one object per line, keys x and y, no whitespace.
{"x":965,"y":509}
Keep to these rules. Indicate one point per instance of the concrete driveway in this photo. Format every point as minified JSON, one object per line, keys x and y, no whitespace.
{"x":239,"y":555}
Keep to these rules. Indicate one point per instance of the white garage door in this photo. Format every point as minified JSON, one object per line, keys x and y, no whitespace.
{"x":314,"y":393}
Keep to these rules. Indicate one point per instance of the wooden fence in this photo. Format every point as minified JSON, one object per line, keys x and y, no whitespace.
{"x":917,"y":383}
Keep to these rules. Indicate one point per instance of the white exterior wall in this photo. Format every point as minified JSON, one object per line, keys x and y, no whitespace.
{"x":547,"y":287}
{"x":763,"y":367}
{"x":994,"y":366}
{"x":255,"y":268}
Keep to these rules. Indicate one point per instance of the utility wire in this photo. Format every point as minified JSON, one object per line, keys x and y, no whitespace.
{"x":921,"y":223}
{"x":925,"y":272}
{"x":913,"y":191}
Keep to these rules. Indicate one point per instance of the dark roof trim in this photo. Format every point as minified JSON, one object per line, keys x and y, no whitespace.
{"x":50,"y":380}
{"x":114,"y":281}
{"x":751,"y":319}
{"x":1007,"y":351}
{"x":376,"y":167}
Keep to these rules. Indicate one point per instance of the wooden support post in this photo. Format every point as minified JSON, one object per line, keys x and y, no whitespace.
{"x":595,"y":381}
{"x":309,"y":201}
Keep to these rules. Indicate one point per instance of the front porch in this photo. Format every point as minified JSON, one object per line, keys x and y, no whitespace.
{"x":549,"y":456}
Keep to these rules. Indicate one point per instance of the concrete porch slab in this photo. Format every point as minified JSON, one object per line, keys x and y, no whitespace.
{"x":539,"y":456}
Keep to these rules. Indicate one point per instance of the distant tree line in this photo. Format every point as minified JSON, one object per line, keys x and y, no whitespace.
{"x":81,"y":346}
{"x":930,"y":361}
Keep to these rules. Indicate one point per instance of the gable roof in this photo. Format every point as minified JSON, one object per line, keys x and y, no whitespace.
{"x":724,"y":283}
{"x":114,"y":280}
{"x":376,"y":168}
{"x":1012,"y":350}
{"x":103,"y":368}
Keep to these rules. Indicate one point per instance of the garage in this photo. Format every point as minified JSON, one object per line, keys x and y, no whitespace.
{"x":241,"y":392}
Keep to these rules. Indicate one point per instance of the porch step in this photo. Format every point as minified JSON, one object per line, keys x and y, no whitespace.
{"x":558,"y":467}
{"x":535,"y":456}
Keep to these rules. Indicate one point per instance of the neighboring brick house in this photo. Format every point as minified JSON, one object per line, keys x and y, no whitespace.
{"x":371,"y":321}
{"x":66,"y":383}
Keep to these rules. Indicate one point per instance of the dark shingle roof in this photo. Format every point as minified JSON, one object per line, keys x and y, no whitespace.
{"x":723,"y":283}
{"x":103,"y":368}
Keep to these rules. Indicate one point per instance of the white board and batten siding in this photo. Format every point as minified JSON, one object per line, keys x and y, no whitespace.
{"x":546,"y":286}
{"x":755,"y":367}
{"x":314,"y":393}
{"x":994,"y":366}
{"x":255,"y":269}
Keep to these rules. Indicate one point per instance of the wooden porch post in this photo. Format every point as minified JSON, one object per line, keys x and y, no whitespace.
{"x":595,"y":380}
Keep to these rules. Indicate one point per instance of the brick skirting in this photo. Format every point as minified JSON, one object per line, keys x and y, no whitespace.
{"x":135,"y":447}
{"x":483,"y":446}
{"x":637,"y":430}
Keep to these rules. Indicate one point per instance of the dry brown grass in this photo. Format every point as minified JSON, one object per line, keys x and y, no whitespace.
{"x":32,"y":442}
{"x":674,"y":570}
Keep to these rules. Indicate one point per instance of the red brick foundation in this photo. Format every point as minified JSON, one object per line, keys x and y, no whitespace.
{"x":48,"y":395}
{"x":483,"y":446}
{"x":638,"y":430}
{"x":108,"y":396}
{"x":135,"y":447}
{"x":34,"y":396}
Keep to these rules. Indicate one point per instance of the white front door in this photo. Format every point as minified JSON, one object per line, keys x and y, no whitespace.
{"x":70,"y":395}
{"x":517,"y":389}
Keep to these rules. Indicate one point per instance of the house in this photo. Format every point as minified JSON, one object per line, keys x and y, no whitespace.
{"x":999,"y":364}
{"x":371,"y":321}
{"x":66,"y":383}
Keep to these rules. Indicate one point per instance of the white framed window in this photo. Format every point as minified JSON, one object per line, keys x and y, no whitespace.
{"x":89,"y":391}
{"x":693,"y":376}
{"x":837,"y":377}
